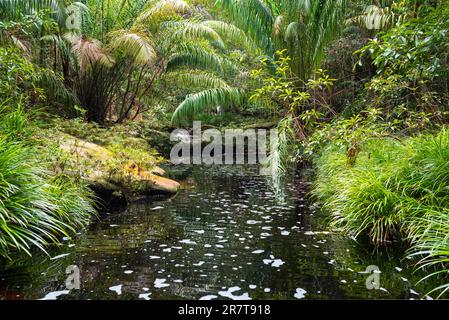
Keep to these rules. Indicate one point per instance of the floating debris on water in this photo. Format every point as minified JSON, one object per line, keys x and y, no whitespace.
{"x":160,"y":283}
{"x":300,"y":293}
{"x":117,"y":289}
{"x":230,"y":294}
{"x":55,"y":294}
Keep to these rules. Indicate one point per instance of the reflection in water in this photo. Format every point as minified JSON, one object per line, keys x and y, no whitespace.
{"x":227,"y":235}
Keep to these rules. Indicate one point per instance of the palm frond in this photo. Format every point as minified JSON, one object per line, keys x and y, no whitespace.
{"x":163,"y":10}
{"x":191,"y":55}
{"x":231,"y":33}
{"x":185,"y":29}
{"x":377,"y":18}
{"x":134,"y":44}
{"x":255,"y":17}
{"x":317,"y":22}
{"x":193,"y":79}
{"x":56,"y":90}
{"x":14,"y":8}
{"x":279,"y":26}
{"x":87,"y":51}
{"x":206,"y":100}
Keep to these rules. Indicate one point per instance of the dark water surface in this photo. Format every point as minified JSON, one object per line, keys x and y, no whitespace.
{"x":229,"y":234}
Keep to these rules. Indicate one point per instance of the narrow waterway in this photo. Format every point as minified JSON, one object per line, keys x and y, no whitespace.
{"x":229,"y":234}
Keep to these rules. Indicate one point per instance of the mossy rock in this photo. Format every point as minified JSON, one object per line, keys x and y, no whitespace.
{"x":104,"y":170}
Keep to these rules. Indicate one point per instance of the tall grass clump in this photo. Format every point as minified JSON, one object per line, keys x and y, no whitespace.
{"x":396,"y":191}
{"x":391,"y":185}
{"x":362,"y":199}
{"x":36,"y":208}
{"x":430,"y":236}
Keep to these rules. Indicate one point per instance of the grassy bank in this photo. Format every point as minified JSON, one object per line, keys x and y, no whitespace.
{"x":396,"y":191}
{"x":37,"y":206}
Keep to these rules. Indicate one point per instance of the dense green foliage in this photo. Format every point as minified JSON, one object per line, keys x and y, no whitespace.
{"x":397,"y":191}
{"x":36,"y":208}
{"x":391,"y":184}
{"x":359,"y":89}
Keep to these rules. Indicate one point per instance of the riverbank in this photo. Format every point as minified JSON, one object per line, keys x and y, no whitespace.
{"x":53,"y":177}
{"x":396,"y":192}
{"x":118,"y":163}
{"x":228,"y":234}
